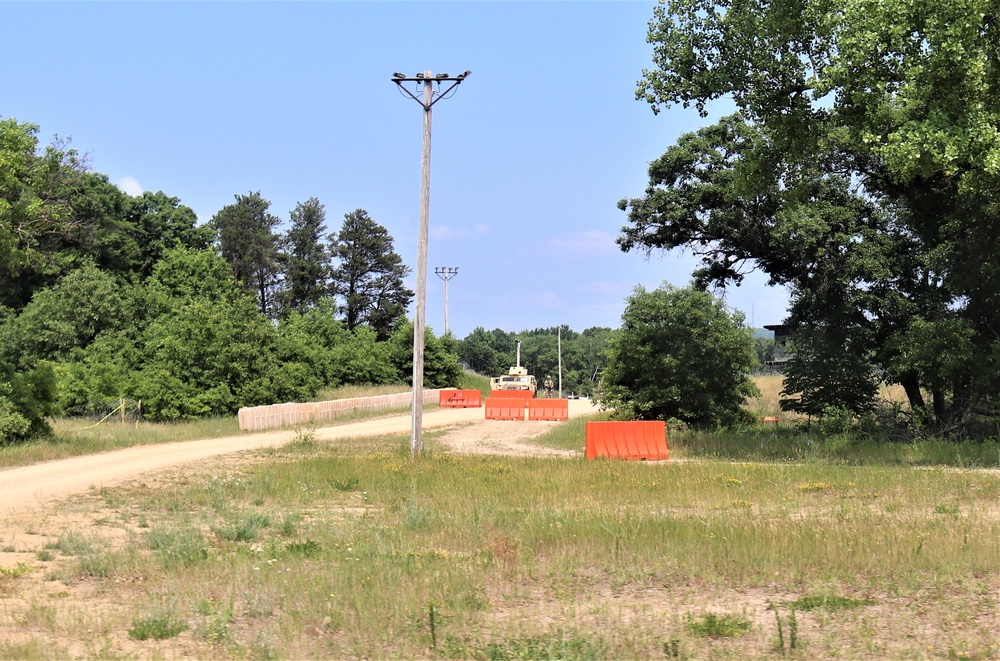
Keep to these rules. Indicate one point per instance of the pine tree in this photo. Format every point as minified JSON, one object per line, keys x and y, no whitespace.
{"x":369,"y":275}
{"x":304,"y":261}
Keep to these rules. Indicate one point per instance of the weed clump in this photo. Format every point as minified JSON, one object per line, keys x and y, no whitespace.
{"x":158,"y":626}
{"x":711,"y":625}
{"x":829,"y":602}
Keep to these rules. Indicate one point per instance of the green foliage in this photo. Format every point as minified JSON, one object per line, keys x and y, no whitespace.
{"x":830,"y":602}
{"x":42,"y":234}
{"x":711,"y":625}
{"x":27,"y":398}
{"x":492,"y":353}
{"x":209,"y":359}
{"x":441,"y":368}
{"x":472,"y":381}
{"x":68,"y":316}
{"x":181,"y":546}
{"x":363,"y":359}
{"x":679,"y":354}
{"x":368,"y":275}
{"x":244,"y":529}
{"x":159,"y":223}
{"x":124,"y":297}
{"x":306,"y":549}
{"x":861,"y":171}
{"x":185,"y":274}
{"x":829,"y":372}
{"x":488,"y":352}
{"x":159,"y":626}
{"x":17,"y":571}
{"x":765,"y":349}
{"x":553,"y":645}
{"x":245,"y":234}
{"x":305,"y":262}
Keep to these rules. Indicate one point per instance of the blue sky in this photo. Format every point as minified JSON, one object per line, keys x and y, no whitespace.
{"x":205,"y":101}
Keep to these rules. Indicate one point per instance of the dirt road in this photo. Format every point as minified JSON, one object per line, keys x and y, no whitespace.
{"x":31,"y":487}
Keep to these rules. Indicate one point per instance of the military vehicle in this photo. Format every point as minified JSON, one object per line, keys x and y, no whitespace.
{"x":517,"y":378}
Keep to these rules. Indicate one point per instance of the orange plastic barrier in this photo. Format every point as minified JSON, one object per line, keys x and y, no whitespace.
{"x":460,"y":399}
{"x":548,"y":409}
{"x":644,"y":440}
{"x":769,"y":420}
{"x":504,"y":408}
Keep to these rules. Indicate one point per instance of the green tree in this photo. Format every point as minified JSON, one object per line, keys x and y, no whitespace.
{"x":680,"y":353}
{"x":479,"y":352}
{"x":305,"y":262}
{"x":591,"y":347}
{"x":195,"y":345}
{"x":368,"y":275}
{"x":829,"y":370}
{"x":70,"y":315}
{"x":27,"y":399}
{"x":157,"y":223}
{"x":55,"y":216}
{"x":246,"y":238}
{"x":363,"y":359}
{"x":886,"y":114}
{"x":441,"y":368}
{"x":765,"y":349}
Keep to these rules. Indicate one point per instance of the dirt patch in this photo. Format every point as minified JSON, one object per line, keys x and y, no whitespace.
{"x":502,"y":437}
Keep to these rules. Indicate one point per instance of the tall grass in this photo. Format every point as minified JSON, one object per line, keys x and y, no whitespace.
{"x":796,"y":438}
{"x":470,"y":380}
{"x":768,"y":403}
{"x":493,"y":557}
{"x":794,"y":444}
{"x":364,"y":390}
{"x":75,"y":436}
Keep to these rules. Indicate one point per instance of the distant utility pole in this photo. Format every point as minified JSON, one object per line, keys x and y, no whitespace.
{"x":429,"y":99}
{"x":446,"y":273}
{"x":559,"y":351}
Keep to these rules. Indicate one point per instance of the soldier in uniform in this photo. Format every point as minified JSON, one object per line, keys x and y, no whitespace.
{"x":548,"y":385}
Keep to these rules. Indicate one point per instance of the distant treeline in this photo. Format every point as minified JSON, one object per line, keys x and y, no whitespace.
{"x":106,"y":296}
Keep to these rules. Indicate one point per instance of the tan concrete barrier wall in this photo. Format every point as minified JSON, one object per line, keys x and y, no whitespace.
{"x":257,"y":418}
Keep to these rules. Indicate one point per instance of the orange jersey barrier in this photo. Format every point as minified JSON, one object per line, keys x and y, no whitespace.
{"x":548,"y":409}
{"x":460,"y":399}
{"x":645,"y":440}
{"x":504,"y":408}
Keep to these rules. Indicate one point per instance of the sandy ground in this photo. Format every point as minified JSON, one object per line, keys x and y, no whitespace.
{"x":33,"y":487}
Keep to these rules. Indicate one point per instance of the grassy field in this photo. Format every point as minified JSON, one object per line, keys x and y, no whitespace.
{"x":299,"y":553}
{"x":355,"y":551}
{"x":744,"y":545}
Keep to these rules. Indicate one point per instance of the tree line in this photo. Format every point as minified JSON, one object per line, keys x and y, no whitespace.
{"x":493,"y":353}
{"x":104,"y":296}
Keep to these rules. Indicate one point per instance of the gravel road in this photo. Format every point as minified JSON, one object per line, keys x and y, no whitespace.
{"x":32,"y":487}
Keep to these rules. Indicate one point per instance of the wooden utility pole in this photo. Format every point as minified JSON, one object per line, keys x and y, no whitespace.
{"x":428,"y":80}
{"x":559,"y":351}
{"x":446,"y":273}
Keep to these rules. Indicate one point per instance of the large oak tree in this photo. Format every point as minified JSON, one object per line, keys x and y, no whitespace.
{"x":862,"y":172}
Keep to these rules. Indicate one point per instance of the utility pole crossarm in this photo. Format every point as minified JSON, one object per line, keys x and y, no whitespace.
{"x":455,"y":81}
{"x":446,"y":273}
